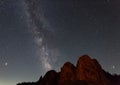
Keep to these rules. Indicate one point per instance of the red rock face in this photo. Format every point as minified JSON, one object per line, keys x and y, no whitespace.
{"x":68,"y":72}
{"x":87,"y":69}
{"x":87,"y":72}
{"x":90,"y":70}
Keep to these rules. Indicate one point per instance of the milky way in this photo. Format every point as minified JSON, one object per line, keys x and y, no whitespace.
{"x":39,"y":35}
{"x":41,"y":32}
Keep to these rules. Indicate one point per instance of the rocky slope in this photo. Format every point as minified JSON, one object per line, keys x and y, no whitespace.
{"x":87,"y":72}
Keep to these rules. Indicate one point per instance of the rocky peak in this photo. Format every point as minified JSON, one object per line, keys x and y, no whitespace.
{"x":68,"y":66}
{"x":87,"y":72}
{"x":67,"y":73}
{"x":50,"y":78}
{"x":90,"y":70}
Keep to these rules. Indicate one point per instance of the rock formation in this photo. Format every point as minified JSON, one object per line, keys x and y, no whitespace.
{"x":90,"y":70}
{"x":87,"y":72}
{"x":68,"y":72}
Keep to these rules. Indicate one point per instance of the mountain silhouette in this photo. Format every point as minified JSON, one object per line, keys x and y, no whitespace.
{"x":86,"y":72}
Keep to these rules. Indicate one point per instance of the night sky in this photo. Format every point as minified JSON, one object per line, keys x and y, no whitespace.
{"x":39,"y":35}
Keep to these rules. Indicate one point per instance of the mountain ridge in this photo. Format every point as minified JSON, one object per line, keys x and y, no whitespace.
{"x":87,"y":71}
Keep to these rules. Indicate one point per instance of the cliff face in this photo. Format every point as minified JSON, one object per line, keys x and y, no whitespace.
{"x":87,"y":72}
{"x":68,"y":72}
{"x":90,"y":70}
{"x":87,"y":69}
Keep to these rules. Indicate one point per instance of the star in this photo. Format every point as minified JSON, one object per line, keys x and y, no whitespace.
{"x":113,"y":67}
{"x":6,"y":64}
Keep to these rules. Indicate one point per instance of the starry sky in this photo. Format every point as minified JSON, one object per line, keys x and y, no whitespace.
{"x":39,"y":35}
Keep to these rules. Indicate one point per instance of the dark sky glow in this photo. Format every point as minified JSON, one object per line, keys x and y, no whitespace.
{"x":39,"y":35}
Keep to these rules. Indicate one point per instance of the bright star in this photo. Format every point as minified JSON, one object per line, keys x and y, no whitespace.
{"x":6,"y":64}
{"x":113,"y":67}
